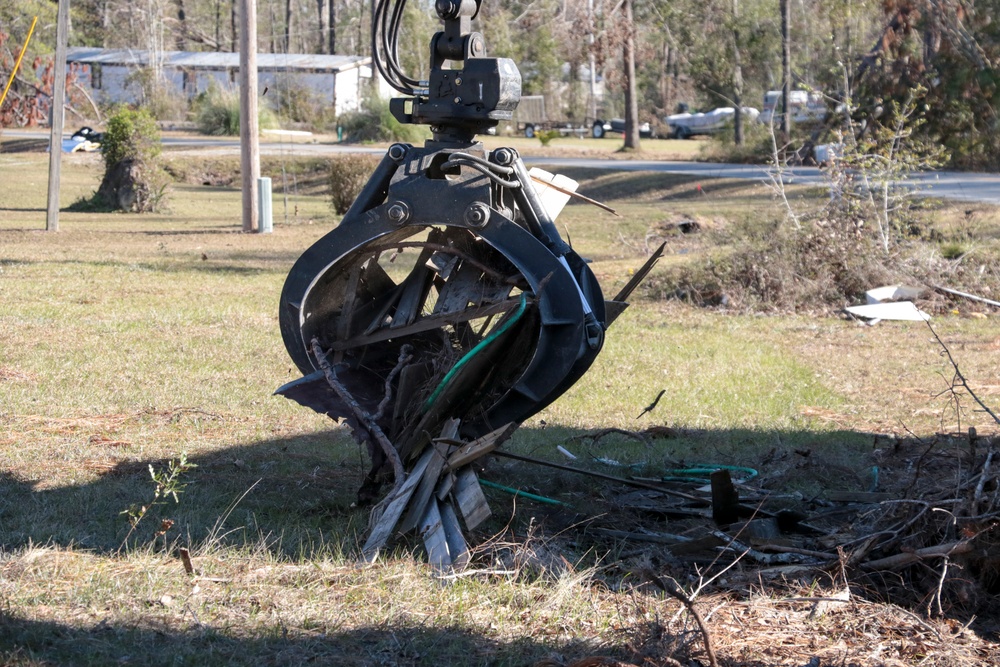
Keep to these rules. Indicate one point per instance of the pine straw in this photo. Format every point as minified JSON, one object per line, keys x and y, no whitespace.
{"x":797,"y":629}
{"x":322,"y":609}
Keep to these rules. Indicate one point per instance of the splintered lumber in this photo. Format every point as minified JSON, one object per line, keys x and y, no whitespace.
{"x":470,"y":498}
{"x":457,"y":547}
{"x":377,"y":334}
{"x":390,"y":516}
{"x":435,"y":539}
{"x":480,"y":447}
{"x":429,"y":482}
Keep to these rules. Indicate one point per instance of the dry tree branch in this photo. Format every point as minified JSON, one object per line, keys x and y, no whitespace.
{"x":959,"y":379}
{"x":405,"y":357}
{"x":675,"y":591}
{"x":399,"y":473}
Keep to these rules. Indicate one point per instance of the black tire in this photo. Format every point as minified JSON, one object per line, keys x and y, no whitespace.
{"x":597,"y":131}
{"x":529,"y":131}
{"x":683,"y":133}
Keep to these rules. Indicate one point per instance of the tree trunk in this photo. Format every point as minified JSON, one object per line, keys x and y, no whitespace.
{"x":181,"y":38}
{"x":737,"y":78}
{"x":631,"y":103}
{"x":233,"y":35}
{"x":786,"y":73}
{"x":324,"y":26}
{"x":288,"y":26}
{"x":333,"y":27}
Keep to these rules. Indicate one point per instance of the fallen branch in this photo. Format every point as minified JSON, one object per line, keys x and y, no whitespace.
{"x":959,"y":377}
{"x":907,"y":558}
{"x":399,"y":473}
{"x":674,"y":590}
{"x":983,"y":476}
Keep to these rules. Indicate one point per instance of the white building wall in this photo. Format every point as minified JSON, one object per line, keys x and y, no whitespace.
{"x":345,"y":89}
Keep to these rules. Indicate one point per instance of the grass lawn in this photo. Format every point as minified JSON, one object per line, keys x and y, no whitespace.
{"x":127,"y":341}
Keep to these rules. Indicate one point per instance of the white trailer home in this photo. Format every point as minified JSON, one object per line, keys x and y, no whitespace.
{"x":108,"y":75}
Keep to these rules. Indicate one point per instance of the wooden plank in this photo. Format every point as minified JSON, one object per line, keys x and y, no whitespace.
{"x":470,"y":499}
{"x":425,"y":490}
{"x":390,"y":516}
{"x":350,"y":296}
{"x":480,"y":446}
{"x":457,"y":547}
{"x":435,"y":538}
{"x":410,"y":378}
{"x":415,"y":289}
{"x":375,"y":280}
{"x":376,"y":333}
{"x":382,"y":314}
{"x":459,"y":290}
{"x":445,"y":486}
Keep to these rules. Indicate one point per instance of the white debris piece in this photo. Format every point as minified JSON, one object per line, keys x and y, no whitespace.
{"x":899,"y":310}
{"x":552,"y":199}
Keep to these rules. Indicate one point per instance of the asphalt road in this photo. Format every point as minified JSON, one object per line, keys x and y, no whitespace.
{"x":959,"y":186}
{"x":955,"y":185}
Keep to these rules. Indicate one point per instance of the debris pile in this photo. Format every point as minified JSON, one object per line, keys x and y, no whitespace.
{"x":928,"y":533}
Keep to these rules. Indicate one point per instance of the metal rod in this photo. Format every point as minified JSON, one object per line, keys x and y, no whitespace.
{"x":601,"y":475}
{"x":972,"y":297}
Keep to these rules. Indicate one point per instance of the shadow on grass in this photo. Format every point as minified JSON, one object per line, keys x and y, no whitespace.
{"x":276,"y":262}
{"x":295,"y":495}
{"x":181,"y":640}
{"x":293,"y":498}
{"x":292,"y":495}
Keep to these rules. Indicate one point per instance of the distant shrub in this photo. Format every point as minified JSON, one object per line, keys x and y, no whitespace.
{"x":218,"y":113}
{"x":348,"y":175}
{"x":300,"y":105}
{"x":375,"y":123}
{"x":756,"y":148}
{"x":156,"y":95}
{"x":546,"y":136}
{"x":133,"y":179}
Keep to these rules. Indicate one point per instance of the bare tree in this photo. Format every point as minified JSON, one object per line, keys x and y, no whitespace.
{"x":631,"y":103}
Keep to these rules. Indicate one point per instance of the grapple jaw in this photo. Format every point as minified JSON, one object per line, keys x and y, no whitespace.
{"x":444,"y":254}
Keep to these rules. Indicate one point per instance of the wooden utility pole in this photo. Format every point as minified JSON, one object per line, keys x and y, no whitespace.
{"x":56,"y":116}
{"x":786,"y":72}
{"x":249,"y":148}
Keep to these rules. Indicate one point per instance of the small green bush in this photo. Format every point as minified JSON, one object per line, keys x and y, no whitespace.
{"x":348,"y":175}
{"x":133,"y":178}
{"x":375,"y":123}
{"x":131,"y":134}
{"x":546,"y":136}
{"x":218,"y":113}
